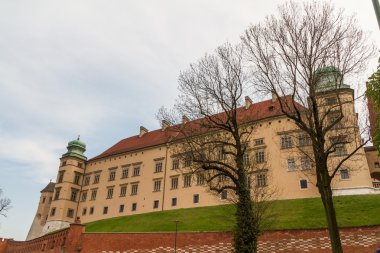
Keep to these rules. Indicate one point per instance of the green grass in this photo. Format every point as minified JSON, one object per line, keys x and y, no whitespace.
{"x":287,"y":214}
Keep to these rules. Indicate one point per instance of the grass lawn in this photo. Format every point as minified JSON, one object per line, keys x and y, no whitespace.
{"x":287,"y":214}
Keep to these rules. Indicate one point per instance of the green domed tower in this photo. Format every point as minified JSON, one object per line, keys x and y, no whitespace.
{"x":329,"y":78}
{"x":76,"y":148}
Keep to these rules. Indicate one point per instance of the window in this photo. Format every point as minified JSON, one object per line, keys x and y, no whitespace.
{"x":124,"y":173}
{"x":222,"y":178}
{"x":223,"y":194}
{"x":91,"y":210}
{"x":340,"y":149}
{"x":50,"y":199}
{"x":196,"y":198}
{"x":331,"y":101}
{"x":52,"y":211}
{"x":134,"y":189}
{"x":84,"y":196}
{"x":157,"y":185}
{"x":305,"y":163}
{"x":246,"y":158}
{"x":175,"y":164}
{"x":80,"y":165}
{"x":187,"y":181}
{"x":155,"y":204}
{"x":105,"y":210}
{"x":111,"y":176}
{"x":74,"y":193}
{"x":84,"y":211}
{"x":344,"y":174}
{"x":60,"y":176}
{"x":221,"y":153}
{"x":123,"y":190}
{"x":96,"y":178}
{"x":304,"y":140}
{"x":64,"y":163}
{"x":136,"y":171}
{"x":134,"y":207}
{"x":76,"y":178}
{"x":43,"y":200}
{"x":261,"y":179}
{"x":121,"y":208}
{"x":109,"y":193}
{"x":187,"y":161}
{"x":158,"y":167}
{"x":70,"y":213}
{"x":86,"y":180}
{"x":303,"y":184}
{"x":259,"y":142}
{"x":334,"y":119}
{"x":57,"y":191}
{"x":174,"y":182}
{"x":200,"y":178}
{"x":291,"y":164}
{"x":286,"y":141}
{"x":174,"y":201}
{"x":377,"y":165}
{"x":260,"y":156}
{"x":93,"y":194}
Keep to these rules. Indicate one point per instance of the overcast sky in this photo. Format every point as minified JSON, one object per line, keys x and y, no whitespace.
{"x":101,"y":69}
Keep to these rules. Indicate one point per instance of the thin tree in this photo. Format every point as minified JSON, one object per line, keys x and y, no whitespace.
{"x":307,"y":51}
{"x":373,"y":93}
{"x":214,"y":134}
{"x":5,"y":204}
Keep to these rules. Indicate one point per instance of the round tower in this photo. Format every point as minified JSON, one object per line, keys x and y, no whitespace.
{"x":63,"y":209}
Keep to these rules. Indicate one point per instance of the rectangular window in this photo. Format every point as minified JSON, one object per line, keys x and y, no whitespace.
{"x":303,"y":184}
{"x":222,"y":178}
{"x":291,"y":164}
{"x":187,"y":181}
{"x":91,"y":210}
{"x":305,"y":163}
{"x":335,"y":122}
{"x":136,"y":171}
{"x":57,"y":192}
{"x":52,"y":211}
{"x":304,"y":140}
{"x":200,"y":179}
{"x":96,"y":178}
{"x":340,"y":149}
{"x":331,"y":101}
{"x":286,"y":141}
{"x":124,"y":173}
{"x":377,"y":165}
{"x":70,"y":213}
{"x":84,"y":196}
{"x":344,"y":174}
{"x":84,"y":211}
{"x":80,"y":165}
{"x":121,"y":208}
{"x":64,"y":163}
{"x":76,"y":178}
{"x":158,"y":167}
{"x":111,"y":176}
{"x":134,"y":189}
{"x":86,"y":180}
{"x":174,"y":201}
{"x":93,"y":194}
{"x":134,"y":207}
{"x":157,"y":185}
{"x":60,"y":176}
{"x":261,"y":179}
{"x":123,"y":190}
{"x":109,"y":193}
{"x":246,"y":158}
{"x":105,"y":210}
{"x":174,"y":182}
{"x":221,"y":153}
{"x":188,"y":161}
{"x":196,"y":198}
{"x":175,"y":164}
{"x":74,"y":194}
{"x":155,"y":204}
{"x":223,"y":194}
{"x":43,"y":200}
{"x":259,"y":142}
{"x":260,"y":156}
{"x":50,"y":199}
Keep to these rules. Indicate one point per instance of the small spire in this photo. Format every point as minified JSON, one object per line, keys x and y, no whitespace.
{"x":78,"y":137}
{"x":50,"y":180}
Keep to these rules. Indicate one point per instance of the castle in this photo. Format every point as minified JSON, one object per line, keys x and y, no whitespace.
{"x":142,"y":173}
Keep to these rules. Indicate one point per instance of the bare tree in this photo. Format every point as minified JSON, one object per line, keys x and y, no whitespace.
{"x":5,"y":204}
{"x":307,"y":50}
{"x":214,"y":135}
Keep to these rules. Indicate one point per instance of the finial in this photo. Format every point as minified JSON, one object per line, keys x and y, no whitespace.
{"x":50,"y":180}
{"x":78,"y":137}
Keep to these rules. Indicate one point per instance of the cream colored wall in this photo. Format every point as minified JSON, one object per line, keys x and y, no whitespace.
{"x":373,"y":157}
{"x":41,"y":216}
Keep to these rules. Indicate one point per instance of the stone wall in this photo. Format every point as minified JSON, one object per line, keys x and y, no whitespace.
{"x":73,"y":239}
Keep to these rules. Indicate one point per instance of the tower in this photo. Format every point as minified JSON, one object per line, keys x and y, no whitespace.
{"x":64,"y":206}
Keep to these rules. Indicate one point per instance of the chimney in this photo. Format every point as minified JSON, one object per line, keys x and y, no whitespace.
{"x":248,"y":102}
{"x":164,"y":125}
{"x":185,"y":119}
{"x":274,"y":96}
{"x":143,"y":131}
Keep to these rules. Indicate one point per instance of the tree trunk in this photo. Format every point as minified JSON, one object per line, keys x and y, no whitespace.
{"x":326,"y":194}
{"x":245,"y":237}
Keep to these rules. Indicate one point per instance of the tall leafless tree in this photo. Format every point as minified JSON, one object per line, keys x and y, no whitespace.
{"x":214,"y":135}
{"x":5,"y":204}
{"x":307,"y":50}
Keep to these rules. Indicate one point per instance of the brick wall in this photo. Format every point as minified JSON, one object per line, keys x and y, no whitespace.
{"x":362,"y":239}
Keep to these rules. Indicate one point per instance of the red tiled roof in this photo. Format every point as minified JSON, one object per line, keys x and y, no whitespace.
{"x":256,"y":111}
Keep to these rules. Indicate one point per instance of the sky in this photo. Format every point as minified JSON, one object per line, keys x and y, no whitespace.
{"x":102,"y":69}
